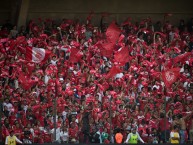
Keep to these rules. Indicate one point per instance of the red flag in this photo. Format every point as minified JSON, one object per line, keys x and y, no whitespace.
{"x":75,"y":55}
{"x":26,"y":83}
{"x":18,"y":41}
{"x":108,"y":46}
{"x":113,"y":33}
{"x":170,"y":76}
{"x":122,"y":56}
{"x":155,"y":74}
{"x":37,"y":55}
{"x":181,"y":58}
{"x":106,"y":53}
{"x":106,"y":49}
{"x":114,"y":70}
{"x":30,"y":68}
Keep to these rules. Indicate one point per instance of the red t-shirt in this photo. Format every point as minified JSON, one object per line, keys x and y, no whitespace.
{"x":162,"y":124}
{"x":46,"y":137}
{"x":73,"y":133}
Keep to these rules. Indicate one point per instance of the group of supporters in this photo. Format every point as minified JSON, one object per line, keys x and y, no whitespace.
{"x":70,"y":82}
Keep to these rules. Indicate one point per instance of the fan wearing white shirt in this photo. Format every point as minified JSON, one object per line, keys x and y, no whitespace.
{"x":57,"y":134}
{"x":8,"y":105}
{"x":54,"y":60}
{"x":64,"y":135}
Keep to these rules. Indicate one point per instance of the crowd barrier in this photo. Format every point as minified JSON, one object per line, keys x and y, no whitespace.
{"x":1,"y":143}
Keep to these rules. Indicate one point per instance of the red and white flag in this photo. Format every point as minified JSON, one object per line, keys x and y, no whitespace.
{"x":37,"y":55}
{"x":170,"y":76}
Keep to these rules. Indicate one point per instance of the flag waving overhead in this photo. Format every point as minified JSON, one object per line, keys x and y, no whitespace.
{"x":170,"y":76}
{"x":37,"y":55}
{"x":75,"y":55}
{"x":114,"y":70}
{"x":113,"y":33}
{"x":19,"y":40}
{"x":122,"y":56}
{"x":181,"y":58}
{"x":25,"y":82}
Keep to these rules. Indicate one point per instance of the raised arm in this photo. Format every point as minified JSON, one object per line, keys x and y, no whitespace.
{"x":128,"y":138}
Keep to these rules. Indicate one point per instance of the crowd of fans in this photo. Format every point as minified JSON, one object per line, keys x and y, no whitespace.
{"x":90,"y":107}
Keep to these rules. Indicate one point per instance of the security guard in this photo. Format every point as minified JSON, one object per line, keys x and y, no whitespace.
{"x":12,"y":139}
{"x":118,"y":136}
{"x":133,"y":137}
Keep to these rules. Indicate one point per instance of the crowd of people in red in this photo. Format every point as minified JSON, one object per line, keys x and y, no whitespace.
{"x":99,"y":79}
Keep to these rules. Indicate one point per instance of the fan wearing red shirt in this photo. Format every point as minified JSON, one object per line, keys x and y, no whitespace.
{"x":40,"y":118}
{"x":164,"y":128}
{"x":17,"y":130}
{"x":46,"y":135}
{"x":73,"y":132}
{"x":36,"y":133}
{"x":12,"y":118}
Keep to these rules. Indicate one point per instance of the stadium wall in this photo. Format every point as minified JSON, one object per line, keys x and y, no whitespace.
{"x":120,"y":9}
{"x":79,"y":9}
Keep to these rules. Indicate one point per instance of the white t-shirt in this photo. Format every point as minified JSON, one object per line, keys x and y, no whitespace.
{"x":8,"y":105}
{"x":172,"y":134}
{"x":57,"y":133}
{"x":64,"y":135}
{"x":64,"y":114}
{"x":25,"y":108}
{"x":119,"y":75}
{"x":53,"y":62}
{"x":46,"y":79}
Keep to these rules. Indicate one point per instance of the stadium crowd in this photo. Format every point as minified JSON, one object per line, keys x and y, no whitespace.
{"x":99,"y":87}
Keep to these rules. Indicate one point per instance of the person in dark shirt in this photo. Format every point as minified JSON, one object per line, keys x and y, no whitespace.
{"x":86,"y":126}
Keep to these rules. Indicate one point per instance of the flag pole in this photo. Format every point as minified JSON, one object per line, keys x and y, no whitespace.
{"x":55,"y":110}
{"x":110,"y":119}
{"x":165,"y":118}
{"x":1,"y":113}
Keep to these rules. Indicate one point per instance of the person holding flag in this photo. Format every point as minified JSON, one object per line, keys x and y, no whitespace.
{"x":133,"y":137}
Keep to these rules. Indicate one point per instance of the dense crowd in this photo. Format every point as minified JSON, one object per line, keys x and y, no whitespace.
{"x":91,"y":101}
